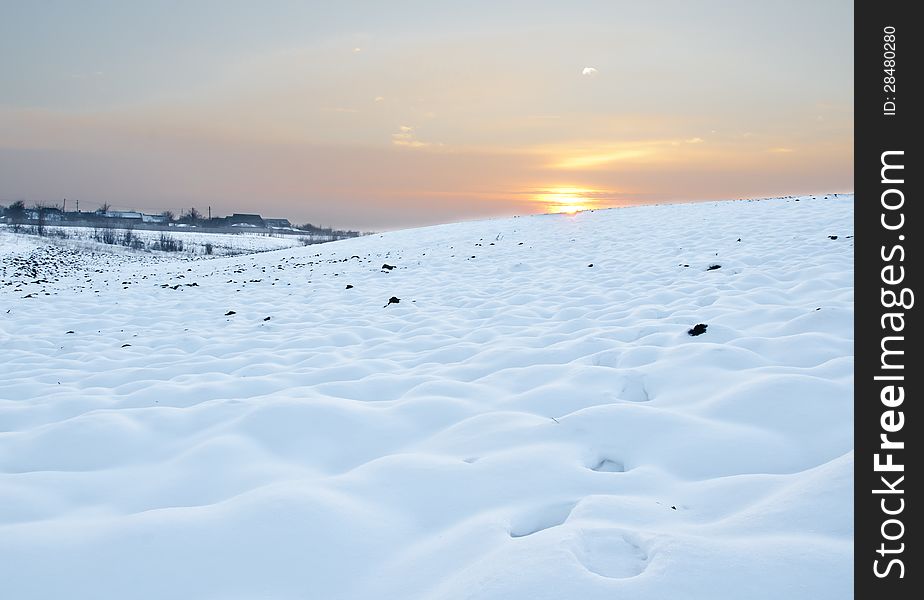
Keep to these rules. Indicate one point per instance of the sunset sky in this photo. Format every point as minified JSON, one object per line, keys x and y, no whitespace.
{"x":378,"y":115}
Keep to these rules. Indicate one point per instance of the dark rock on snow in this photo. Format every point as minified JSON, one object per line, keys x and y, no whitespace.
{"x":698,"y":329}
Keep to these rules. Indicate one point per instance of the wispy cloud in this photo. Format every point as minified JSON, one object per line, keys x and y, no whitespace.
{"x":595,"y":155}
{"x":86,"y":75}
{"x":407,"y":138}
{"x":590,"y":161}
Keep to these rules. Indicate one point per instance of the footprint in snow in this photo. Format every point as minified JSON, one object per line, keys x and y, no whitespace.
{"x":540,"y":518}
{"x":610,"y":553}
{"x":608,"y":466}
{"x":392,"y":300}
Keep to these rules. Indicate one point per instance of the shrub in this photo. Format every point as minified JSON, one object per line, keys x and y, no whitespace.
{"x":169,"y":244}
{"x":104,"y":235}
{"x":128,"y":238}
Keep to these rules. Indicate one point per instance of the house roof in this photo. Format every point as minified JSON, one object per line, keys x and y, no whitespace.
{"x":246,"y":218}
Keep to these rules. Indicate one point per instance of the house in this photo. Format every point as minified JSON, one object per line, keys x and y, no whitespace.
{"x":145,"y":218}
{"x":245,"y":220}
{"x":123,"y":214}
{"x":278,"y":223}
{"x":48,"y":214}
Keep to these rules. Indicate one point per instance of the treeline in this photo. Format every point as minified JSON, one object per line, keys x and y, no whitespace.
{"x":40,"y":215}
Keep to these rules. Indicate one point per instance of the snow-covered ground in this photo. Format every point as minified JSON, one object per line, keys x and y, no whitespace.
{"x":531,"y":420}
{"x":191,"y":243}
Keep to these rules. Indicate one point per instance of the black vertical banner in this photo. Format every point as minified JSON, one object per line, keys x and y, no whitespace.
{"x":888,"y":60}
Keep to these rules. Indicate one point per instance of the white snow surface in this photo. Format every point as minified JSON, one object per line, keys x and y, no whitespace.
{"x":521,"y":425}
{"x":194,"y":241}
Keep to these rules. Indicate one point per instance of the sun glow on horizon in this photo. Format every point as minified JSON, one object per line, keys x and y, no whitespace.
{"x":568,"y":209}
{"x":568,"y":200}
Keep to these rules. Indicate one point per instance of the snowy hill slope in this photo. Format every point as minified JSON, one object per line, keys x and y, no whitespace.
{"x":531,"y":420}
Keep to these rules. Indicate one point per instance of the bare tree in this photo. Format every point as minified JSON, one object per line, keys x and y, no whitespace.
{"x":16,"y":212}
{"x":42,"y":218}
{"x":191,"y":216}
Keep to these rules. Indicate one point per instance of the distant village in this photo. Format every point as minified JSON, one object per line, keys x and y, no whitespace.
{"x":17,"y":214}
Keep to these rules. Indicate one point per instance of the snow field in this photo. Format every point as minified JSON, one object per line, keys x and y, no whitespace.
{"x":520,"y":425}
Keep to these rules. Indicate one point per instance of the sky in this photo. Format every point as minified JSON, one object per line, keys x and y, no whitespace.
{"x":378,"y":115}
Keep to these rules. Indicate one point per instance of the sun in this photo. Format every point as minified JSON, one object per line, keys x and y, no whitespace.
{"x":569,"y":209}
{"x":567,"y":200}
